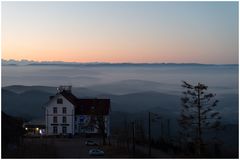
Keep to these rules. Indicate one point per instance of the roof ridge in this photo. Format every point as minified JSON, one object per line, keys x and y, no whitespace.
{"x":84,"y":106}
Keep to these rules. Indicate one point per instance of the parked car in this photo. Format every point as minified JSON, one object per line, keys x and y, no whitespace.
{"x":91,"y":143}
{"x":96,"y":152}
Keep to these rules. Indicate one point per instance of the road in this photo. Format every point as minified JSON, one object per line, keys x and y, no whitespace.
{"x":71,"y":148}
{"x":66,"y":148}
{"x":155,"y":153}
{"x":76,"y":148}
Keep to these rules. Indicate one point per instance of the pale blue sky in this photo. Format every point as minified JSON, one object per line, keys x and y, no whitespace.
{"x":201,"y":32}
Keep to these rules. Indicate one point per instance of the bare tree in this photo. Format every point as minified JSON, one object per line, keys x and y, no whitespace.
{"x":99,"y":122}
{"x":101,"y":127}
{"x":198,"y":113}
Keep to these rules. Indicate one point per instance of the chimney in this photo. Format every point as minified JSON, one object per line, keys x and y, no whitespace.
{"x":64,"y":88}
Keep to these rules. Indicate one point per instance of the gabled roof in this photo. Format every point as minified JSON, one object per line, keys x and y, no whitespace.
{"x":88,"y":106}
{"x":70,"y":97}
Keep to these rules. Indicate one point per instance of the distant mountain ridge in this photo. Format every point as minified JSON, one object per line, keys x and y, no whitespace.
{"x":24,"y":62}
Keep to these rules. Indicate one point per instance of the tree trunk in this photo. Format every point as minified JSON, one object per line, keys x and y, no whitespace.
{"x":199,"y":142}
{"x":104,"y":138}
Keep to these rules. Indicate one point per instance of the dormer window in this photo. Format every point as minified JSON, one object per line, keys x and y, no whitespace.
{"x":59,"y":101}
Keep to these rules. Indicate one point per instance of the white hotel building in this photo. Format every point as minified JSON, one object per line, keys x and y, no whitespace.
{"x":66,"y":114}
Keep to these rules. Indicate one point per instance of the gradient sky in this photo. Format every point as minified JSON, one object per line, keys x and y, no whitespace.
{"x":199,"y":32}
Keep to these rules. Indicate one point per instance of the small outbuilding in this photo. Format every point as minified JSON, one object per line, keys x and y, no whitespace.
{"x":35,"y":127}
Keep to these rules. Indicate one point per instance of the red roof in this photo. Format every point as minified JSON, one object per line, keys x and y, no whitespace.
{"x":88,"y":106}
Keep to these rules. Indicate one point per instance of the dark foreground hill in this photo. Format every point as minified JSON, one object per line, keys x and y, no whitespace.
{"x":12,"y":132}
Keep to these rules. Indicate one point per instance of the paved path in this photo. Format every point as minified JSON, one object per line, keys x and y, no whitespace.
{"x":76,"y":148}
{"x":155,"y":153}
{"x":142,"y":151}
{"x":72,"y":148}
{"x":67,"y":148}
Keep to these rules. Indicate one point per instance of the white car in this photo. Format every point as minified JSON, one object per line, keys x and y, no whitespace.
{"x":91,"y":143}
{"x":96,"y":152}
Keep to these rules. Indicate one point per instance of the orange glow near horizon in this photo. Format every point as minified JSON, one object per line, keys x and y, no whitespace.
{"x":103,"y":56}
{"x":112,"y":56}
{"x":68,"y":49}
{"x":90,"y":51}
{"x":149,"y":32}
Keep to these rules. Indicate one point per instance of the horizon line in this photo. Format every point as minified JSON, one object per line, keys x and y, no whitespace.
{"x":102,"y":62}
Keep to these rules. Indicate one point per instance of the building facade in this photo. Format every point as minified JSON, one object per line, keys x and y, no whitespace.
{"x":66,"y":114}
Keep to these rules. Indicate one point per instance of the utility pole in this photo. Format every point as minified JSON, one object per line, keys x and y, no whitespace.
{"x":149,"y":134}
{"x":168,"y":128}
{"x":162,"y":133}
{"x":199,"y":118}
{"x":127,"y":135}
{"x":133,"y":134}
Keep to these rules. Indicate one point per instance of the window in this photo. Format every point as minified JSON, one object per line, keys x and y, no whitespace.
{"x":64,"y":130}
{"x":64,"y":119}
{"x":54,"y":119}
{"x":55,"y":130}
{"x":54,"y":109}
{"x":81,"y":119}
{"x":75,"y":127}
{"x":64,"y":110}
{"x":90,"y":129}
{"x":79,"y":128}
{"x":59,"y":101}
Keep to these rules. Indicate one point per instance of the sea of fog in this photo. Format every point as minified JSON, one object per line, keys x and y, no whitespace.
{"x":133,"y":90}
{"x":221,"y":79}
{"x":130,"y":88}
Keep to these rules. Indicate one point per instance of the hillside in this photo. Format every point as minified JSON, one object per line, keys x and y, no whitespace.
{"x":27,"y":102}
